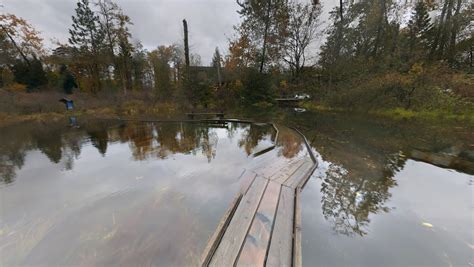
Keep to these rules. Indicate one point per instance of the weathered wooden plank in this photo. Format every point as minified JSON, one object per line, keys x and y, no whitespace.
{"x":297,"y":254}
{"x":269,"y":168}
{"x":246,"y":180}
{"x":305,"y":178}
{"x":294,"y":179}
{"x":281,"y":242}
{"x":261,"y":161}
{"x":286,"y":172}
{"x":272,"y":170}
{"x":256,"y":243}
{"x":221,"y":227}
{"x":234,"y":236}
{"x":263,"y":151}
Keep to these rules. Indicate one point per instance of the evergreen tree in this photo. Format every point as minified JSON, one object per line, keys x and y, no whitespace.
{"x":87,"y":36}
{"x":160,"y":59}
{"x":32,"y":75}
{"x":216,"y":59}
{"x":419,"y":28}
{"x":68,"y":80}
{"x":216,"y":63}
{"x":139,"y":67}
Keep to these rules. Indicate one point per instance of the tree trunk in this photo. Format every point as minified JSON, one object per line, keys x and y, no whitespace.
{"x":446,"y":29}
{"x":265,"y":35}
{"x":219,"y":77}
{"x":379,"y":28}
{"x":470,"y":58}
{"x":439,"y":31}
{"x":16,"y":46}
{"x":341,"y":10}
{"x":454,"y":32}
{"x":186,"y":42}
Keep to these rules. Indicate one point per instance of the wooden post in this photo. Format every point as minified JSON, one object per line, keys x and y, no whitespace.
{"x":341,"y":10}
{"x":219,"y":75}
{"x":186,"y":42}
{"x":470,"y":57}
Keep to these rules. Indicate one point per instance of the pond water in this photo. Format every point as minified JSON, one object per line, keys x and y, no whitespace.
{"x":110,"y":193}
{"x":386,"y":193}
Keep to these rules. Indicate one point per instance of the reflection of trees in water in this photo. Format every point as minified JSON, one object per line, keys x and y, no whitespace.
{"x":62,"y":144}
{"x":291,"y":143}
{"x":251,"y":137}
{"x":365,"y":154}
{"x":7,"y":171}
{"x":50,"y":145}
{"x":348,"y":200}
{"x":99,"y":140}
{"x":164,"y":139}
{"x":9,"y":162}
{"x":54,"y":139}
{"x":72,"y":145}
{"x":357,"y":184}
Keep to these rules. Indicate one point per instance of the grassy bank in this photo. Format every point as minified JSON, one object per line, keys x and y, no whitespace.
{"x":399,"y":113}
{"x":20,"y":106}
{"x":44,"y":106}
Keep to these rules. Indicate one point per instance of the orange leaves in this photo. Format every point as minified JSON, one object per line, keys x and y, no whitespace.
{"x":26,"y":38}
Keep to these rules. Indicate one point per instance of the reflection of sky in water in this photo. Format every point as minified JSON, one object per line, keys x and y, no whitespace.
{"x":388,"y":193}
{"x":143,"y":194}
{"x":428,"y":221}
{"x":109,"y":209}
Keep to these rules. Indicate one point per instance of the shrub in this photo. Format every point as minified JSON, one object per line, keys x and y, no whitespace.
{"x":16,"y":87}
{"x":7,"y":77}
{"x":257,"y":87}
{"x":32,"y":75}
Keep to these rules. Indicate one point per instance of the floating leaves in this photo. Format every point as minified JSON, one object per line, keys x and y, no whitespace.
{"x":429,"y":225}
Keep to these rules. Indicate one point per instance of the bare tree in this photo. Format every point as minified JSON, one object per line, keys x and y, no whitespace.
{"x":302,"y":31}
{"x":115,"y":26}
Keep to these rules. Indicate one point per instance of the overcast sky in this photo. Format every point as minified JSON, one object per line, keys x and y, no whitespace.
{"x":156,"y":22}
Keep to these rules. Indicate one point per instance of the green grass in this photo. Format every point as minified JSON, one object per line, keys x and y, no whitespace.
{"x":400,"y":113}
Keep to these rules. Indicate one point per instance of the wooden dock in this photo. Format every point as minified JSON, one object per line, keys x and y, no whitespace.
{"x":262,"y":227}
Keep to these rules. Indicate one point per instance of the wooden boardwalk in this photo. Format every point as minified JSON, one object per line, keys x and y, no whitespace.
{"x":263,"y":225}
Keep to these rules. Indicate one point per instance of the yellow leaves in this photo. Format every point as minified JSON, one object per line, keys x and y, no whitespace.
{"x":25,"y":36}
{"x":429,"y":225}
{"x":416,"y":69}
{"x":7,"y":77}
{"x":16,"y":87}
{"x":109,"y":235}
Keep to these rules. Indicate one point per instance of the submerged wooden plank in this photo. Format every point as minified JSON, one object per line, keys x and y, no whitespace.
{"x":281,"y":242}
{"x":297,"y":254}
{"x":268,"y":169}
{"x":305,"y":179}
{"x":297,"y":176}
{"x":257,"y":240}
{"x":275,"y":169}
{"x":286,"y":172}
{"x":246,"y":181}
{"x":234,"y":236}
{"x":221,"y":227}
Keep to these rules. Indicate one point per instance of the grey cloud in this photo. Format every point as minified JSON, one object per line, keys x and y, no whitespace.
{"x":156,"y":22}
